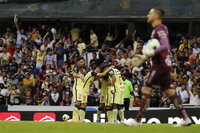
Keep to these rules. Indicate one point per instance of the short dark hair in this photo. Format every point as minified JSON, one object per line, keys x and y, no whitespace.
{"x":94,"y":53}
{"x":160,"y":11}
{"x":80,"y":58}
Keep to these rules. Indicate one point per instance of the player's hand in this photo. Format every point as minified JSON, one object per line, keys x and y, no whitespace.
{"x":112,"y":89}
{"x":82,"y":78}
{"x":111,"y":67}
{"x":149,"y":52}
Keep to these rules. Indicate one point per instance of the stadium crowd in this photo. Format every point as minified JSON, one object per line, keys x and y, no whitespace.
{"x":36,"y":66}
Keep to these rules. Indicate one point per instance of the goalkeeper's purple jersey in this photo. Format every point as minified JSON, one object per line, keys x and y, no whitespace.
{"x":162,"y":53}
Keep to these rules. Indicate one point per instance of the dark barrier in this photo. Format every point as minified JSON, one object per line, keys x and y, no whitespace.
{"x":152,"y":116}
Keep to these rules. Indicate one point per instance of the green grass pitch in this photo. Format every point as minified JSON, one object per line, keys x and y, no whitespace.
{"x":66,"y":127}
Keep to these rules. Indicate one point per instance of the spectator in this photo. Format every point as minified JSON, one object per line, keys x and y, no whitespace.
{"x":155,"y":99}
{"x":21,"y":87}
{"x":21,"y":37}
{"x":28,"y":98}
{"x":60,"y":54}
{"x":2,"y":100}
{"x":14,"y":96}
{"x":81,"y":46}
{"x":55,"y":97}
{"x":45,"y":84}
{"x":125,"y":61}
{"x":103,"y":53}
{"x":29,"y":81}
{"x":51,"y":59}
{"x":184,"y":45}
{"x":94,"y":61}
{"x":192,"y":58}
{"x":164,"y":102}
{"x":5,"y":55}
{"x":135,"y":43}
{"x":108,"y":40}
{"x":194,"y":96}
{"x":75,"y":32}
{"x":183,"y":94}
{"x":91,"y":98}
{"x":13,"y":80}
{"x":18,"y":55}
{"x":94,"y":43}
{"x":196,"y":49}
{"x":40,"y":55}
{"x":45,"y":101}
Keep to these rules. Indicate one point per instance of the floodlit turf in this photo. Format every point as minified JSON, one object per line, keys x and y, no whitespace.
{"x":64,"y":127}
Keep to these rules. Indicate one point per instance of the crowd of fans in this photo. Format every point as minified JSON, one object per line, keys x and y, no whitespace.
{"x":36,"y":66}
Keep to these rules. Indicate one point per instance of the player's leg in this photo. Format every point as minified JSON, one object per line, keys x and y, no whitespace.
{"x":121,"y":112}
{"x":115,"y":112}
{"x":114,"y":106}
{"x":146,"y":91}
{"x":75,"y":113}
{"x":82,"y":110}
{"x":126,"y":103}
{"x":109,"y":114}
{"x":120,"y":106}
{"x":109,"y":109}
{"x":100,"y":110}
{"x":146,"y":96}
{"x":171,"y":93}
{"x":103,"y":98}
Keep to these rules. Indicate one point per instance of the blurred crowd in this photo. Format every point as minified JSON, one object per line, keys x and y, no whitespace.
{"x":36,"y":66}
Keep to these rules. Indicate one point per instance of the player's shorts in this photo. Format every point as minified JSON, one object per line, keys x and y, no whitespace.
{"x":118,"y":98}
{"x":77,"y":95}
{"x":159,"y":77}
{"x":103,"y":96}
{"x":84,"y":97}
{"x":108,"y":100}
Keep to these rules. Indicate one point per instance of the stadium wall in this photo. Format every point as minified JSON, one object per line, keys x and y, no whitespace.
{"x":55,"y":113}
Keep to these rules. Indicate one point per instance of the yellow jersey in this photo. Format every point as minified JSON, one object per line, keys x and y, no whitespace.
{"x":78,"y":83}
{"x":119,"y":82}
{"x":93,"y":37}
{"x":89,"y":78}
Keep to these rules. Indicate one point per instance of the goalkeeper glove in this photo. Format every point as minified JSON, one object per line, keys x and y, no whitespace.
{"x":148,"y":51}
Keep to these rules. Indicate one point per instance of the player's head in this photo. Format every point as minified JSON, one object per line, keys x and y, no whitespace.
{"x":80,"y":61}
{"x":97,"y":69}
{"x":104,"y":67}
{"x":155,"y":13}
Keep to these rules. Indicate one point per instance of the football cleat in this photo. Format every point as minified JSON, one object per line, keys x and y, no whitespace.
{"x":131,"y":122}
{"x":186,"y":122}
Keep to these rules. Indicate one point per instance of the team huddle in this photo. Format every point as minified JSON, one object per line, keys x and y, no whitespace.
{"x":112,"y":91}
{"x":158,"y":50}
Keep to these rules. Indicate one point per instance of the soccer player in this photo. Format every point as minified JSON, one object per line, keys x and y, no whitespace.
{"x":104,"y":86}
{"x":117,"y":91}
{"x":90,"y":77}
{"x":160,"y":71}
{"x":78,"y":87}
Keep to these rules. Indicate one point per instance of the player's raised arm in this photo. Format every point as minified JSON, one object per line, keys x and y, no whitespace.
{"x":105,"y":72}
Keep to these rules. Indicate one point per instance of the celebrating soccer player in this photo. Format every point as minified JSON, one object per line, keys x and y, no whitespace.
{"x":78,"y":87}
{"x":90,"y":77}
